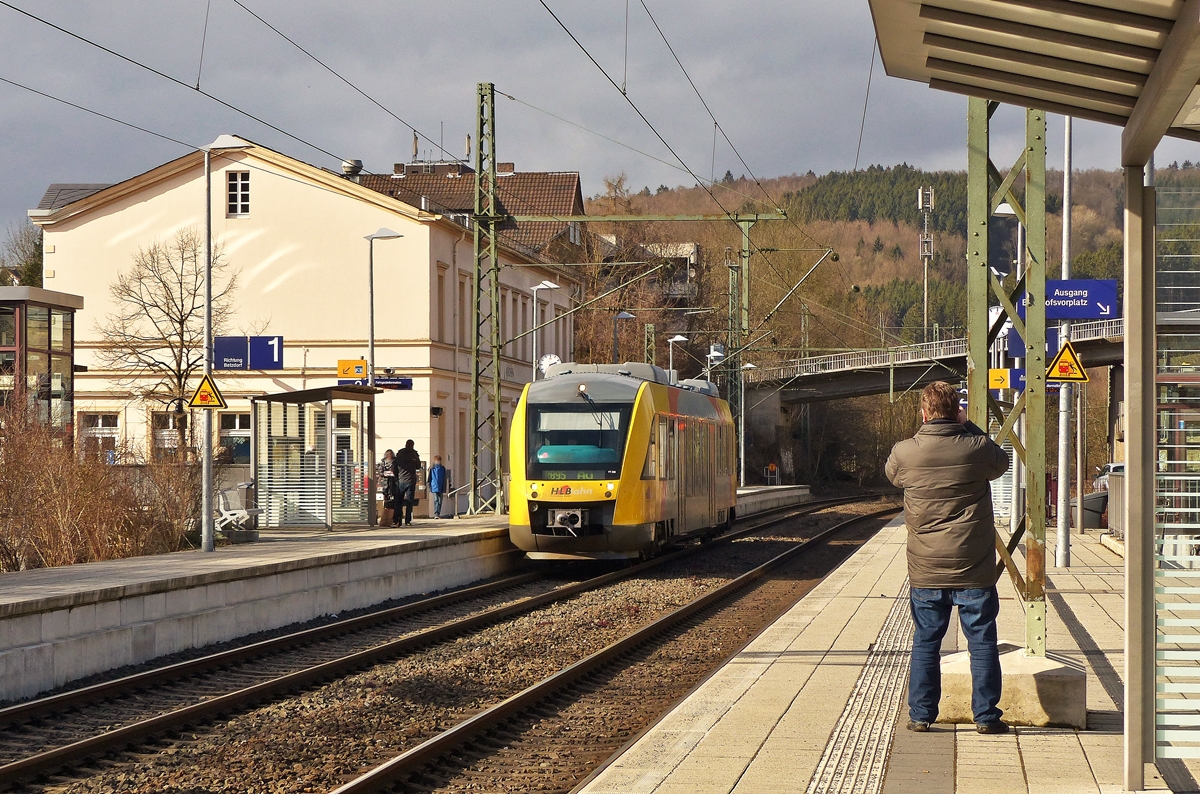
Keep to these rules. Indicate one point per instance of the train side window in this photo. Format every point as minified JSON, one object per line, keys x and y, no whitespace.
{"x":650,"y":470}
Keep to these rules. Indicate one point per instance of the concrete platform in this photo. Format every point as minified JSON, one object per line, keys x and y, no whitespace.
{"x":818,"y":702}
{"x":61,"y":624}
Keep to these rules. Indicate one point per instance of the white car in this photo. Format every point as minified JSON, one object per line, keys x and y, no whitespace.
{"x":1101,"y":481}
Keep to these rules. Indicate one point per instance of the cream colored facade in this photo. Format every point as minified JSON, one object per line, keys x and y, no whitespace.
{"x":301,"y":260}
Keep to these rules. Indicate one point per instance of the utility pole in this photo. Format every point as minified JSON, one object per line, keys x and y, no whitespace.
{"x":733,"y":387}
{"x":648,"y":340}
{"x":925,"y":206}
{"x":207,"y":525}
{"x":486,"y":463}
{"x":1062,"y":549}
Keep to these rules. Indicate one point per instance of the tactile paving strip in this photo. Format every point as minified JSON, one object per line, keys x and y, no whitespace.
{"x":855,"y":758}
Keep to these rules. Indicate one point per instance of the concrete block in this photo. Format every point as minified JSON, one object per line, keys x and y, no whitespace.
{"x":1042,"y":692}
{"x":120,"y":648}
{"x":133,"y":610}
{"x":81,"y":620}
{"x":20,"y":631}
{"x":108,"y":615}
{"x":182,"y":602}
{"x":55,"y":625}
{"x":154,"y":606}
{"x":141,"y":642}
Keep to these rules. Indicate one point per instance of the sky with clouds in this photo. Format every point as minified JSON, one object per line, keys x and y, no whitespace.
{"x":785,"y":79}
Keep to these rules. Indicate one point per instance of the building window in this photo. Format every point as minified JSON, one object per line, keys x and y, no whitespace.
{"x":98,"y":434}
{"x":169,"y":429}
{"x":239,"y":192}
{"x":234,"y":439}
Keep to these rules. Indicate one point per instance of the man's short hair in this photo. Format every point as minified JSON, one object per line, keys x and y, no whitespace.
{"x":409,"y":443}
{"x":940,"y":401}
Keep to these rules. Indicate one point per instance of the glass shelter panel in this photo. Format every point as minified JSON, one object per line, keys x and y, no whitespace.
{"x":311,"y":463}
{"x":1177,"y":481}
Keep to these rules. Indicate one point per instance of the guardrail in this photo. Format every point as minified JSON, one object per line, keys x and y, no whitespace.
{"x":908,"y":354}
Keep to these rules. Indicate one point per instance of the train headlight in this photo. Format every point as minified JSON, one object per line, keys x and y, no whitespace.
{"x":583,"y":388}
{"x":533,"y":496}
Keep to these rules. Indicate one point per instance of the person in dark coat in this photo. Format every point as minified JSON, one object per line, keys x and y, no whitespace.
{"x":387,"y":476}
{"x":945,"y":471}
{"x":405,"y":467}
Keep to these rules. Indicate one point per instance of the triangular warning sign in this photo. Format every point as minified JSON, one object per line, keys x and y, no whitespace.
{"x":207,"y":395}
{"x":1066,"y":366}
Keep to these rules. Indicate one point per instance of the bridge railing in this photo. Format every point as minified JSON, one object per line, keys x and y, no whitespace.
{"x":908,"y":354}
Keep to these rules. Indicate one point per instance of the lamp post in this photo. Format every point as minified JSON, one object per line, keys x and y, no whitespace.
{"x":208,"y":540}
{"x":382,"y":234}
{"x":622,"y":315}
{"x":547,"y":284}
{"x":742,"y":426}
{"x":671,"y":350}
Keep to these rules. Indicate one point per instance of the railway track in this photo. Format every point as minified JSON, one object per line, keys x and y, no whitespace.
{"x":545,"y":736}
{"x":63,"y":731}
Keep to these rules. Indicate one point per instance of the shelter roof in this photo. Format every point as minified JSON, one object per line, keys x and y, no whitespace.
{"x":362,"y":394}
{"x":1134,"y":63}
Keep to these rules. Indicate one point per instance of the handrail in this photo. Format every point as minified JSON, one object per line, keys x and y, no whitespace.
{"x":909,"y":354}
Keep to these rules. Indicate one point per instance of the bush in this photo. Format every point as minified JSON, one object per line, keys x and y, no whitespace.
{"x":56,"y":509}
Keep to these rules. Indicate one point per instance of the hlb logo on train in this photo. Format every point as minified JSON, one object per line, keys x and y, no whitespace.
{"x":564,"y":490}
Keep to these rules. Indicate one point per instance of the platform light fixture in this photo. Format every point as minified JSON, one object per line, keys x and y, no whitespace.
{"x":382,"y":234}
{"x":621,"y":315}
{"x":671,"y":350}
{"x":742,"y":426}
{"x":533,"y":323}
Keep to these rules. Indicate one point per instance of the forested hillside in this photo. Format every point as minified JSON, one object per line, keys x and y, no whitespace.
{"x":867,"y":294}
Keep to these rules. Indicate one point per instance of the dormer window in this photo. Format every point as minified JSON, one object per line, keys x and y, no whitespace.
{"x":239,"y":192}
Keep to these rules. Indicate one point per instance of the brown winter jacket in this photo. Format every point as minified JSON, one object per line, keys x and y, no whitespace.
{"x":944,"y":470}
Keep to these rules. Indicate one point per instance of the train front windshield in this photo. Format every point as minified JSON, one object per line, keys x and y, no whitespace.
{"x":577,"y":443}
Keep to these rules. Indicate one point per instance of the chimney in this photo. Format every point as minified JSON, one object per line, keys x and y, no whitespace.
{"x":506,"y":168}
{"x":351,"y":169}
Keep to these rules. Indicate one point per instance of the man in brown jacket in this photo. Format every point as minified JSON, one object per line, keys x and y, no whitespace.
{"x":944,"y":470}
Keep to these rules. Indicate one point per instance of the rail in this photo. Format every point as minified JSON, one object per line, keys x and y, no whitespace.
{"x":930,"y":352}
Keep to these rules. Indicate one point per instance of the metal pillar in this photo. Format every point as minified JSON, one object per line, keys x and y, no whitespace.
{"x":648,"y":342}
{"x":987,"y":188}
{"x":1140,"y":366}
{"x":207,"y":524}
{"x":487,"y":457}
{"x":1062,"y":547}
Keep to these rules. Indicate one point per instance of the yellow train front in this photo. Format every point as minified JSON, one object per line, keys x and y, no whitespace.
{"x":612,"y":461}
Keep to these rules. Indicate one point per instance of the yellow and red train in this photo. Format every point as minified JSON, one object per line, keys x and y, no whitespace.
{"x":614,"y":461}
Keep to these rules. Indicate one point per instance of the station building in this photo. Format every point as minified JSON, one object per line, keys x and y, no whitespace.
{"x":294,"y":235}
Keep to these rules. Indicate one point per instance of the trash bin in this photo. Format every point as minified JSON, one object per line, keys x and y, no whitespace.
{"x":1094,"y":505}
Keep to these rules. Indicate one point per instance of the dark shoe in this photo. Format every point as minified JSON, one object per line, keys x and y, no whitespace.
{"x":918,"y":727}
{"x":991,"y":727}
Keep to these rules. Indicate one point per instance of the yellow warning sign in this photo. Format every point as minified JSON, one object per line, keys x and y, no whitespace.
{"x":1066,"y":367}
{"x":207,"y":395}
{"x":352,"y":368}
{"x":999,"y":378}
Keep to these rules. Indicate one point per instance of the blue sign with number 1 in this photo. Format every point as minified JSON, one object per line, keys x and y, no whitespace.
{"x":266,"y":352}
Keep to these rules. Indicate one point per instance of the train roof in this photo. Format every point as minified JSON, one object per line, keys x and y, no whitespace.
{"x":607,"y":382}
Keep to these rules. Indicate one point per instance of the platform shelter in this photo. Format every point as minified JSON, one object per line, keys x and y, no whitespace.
{"x":1135,"y":65}
{"x":37,"y":352}
{"x":312,"y":454}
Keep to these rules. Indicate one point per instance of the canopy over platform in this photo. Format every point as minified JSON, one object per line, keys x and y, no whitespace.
{"x":1133,"y":63}
{"x":313,"y":456}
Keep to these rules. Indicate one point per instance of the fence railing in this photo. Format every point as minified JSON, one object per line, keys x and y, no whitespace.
{"x":907,"y":354}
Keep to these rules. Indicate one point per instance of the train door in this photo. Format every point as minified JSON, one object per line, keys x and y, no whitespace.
{"x":710,"y":470}
{"x":681,"y":475}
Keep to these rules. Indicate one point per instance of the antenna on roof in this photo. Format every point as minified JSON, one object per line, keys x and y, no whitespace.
{"x":468,"y":154}
{"x":415,"y":151}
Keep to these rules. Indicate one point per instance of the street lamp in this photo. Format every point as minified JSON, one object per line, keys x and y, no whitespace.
{"x":208,"y":532}
{"x":382,"y":234}
{"x":742,"y":426}
{"x":622,"y":315}
{"x":547,"y":284}
{"x":671,"y":350}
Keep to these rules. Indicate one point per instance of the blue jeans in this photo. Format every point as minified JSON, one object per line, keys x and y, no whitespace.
{"x":406,"y":497}
{"x":437,"y":505}
{"x":977,"y":611}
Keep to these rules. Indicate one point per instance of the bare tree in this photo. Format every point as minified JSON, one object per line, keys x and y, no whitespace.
{"x":155,"y":338}
{"x":21,"y":256}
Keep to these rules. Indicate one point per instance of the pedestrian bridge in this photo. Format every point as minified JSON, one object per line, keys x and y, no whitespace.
{"x":859,"y":373}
